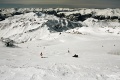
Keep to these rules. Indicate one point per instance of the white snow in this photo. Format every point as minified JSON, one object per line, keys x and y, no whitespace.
{"x":94,"y":62}
{"x":97,"y":43}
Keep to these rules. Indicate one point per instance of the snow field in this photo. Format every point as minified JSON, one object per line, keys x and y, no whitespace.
{"x":94,"y":61}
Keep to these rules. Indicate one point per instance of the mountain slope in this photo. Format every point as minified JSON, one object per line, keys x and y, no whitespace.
{"x":30,"y":26}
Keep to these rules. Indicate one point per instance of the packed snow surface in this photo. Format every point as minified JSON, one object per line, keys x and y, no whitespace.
{"x":96,"y":42}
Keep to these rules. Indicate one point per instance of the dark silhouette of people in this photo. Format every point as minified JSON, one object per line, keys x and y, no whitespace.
{"x":41,"y":54}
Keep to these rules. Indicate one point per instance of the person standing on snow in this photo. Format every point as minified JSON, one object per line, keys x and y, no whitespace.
{"x":41,"y":54}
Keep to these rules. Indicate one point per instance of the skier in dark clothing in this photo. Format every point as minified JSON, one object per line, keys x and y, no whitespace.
{"x":41,"y":54}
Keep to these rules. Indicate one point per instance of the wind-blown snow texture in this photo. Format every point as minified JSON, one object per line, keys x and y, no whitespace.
{"x":92,"y":34}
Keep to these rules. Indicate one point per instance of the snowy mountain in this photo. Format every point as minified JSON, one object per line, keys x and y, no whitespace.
{"x":32,"y":26}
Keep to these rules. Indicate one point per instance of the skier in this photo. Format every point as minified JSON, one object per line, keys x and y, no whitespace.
{"x":41,"y":54}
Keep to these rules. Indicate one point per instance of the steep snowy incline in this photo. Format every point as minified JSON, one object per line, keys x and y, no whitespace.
{"x":30,"y":26}
{"x":19,"y":27}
